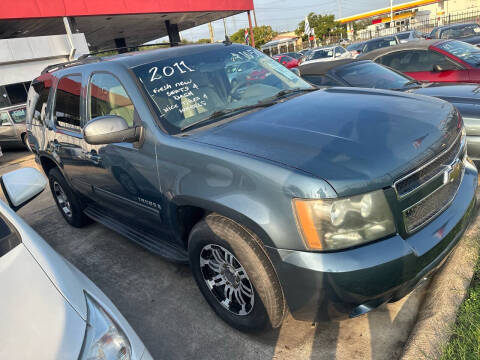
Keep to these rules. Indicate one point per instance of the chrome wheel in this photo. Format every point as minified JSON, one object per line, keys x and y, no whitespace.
{"x":62,"y":199}
{"x":227,"y":279}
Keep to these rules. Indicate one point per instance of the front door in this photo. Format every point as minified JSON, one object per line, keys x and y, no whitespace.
{"x":7,"y":130}
{"x":122,"y":176}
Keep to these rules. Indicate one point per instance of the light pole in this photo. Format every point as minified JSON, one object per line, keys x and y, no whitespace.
{"x":391,"y":11}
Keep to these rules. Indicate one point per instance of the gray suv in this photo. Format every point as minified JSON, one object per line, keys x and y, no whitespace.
{"x":12,"y":126}
{"x":281,"y":197}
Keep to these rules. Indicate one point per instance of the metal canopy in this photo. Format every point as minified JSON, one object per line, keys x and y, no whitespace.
{"x":138,"y":21}
{"x":101,"y":30}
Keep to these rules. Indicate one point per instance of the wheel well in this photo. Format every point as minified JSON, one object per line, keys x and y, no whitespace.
{"x":47,"y":164}
{"x":187,"y":217}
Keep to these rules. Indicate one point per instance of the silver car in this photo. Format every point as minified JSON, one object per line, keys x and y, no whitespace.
{"x":49,"y":309}
{"x":12,"y":126}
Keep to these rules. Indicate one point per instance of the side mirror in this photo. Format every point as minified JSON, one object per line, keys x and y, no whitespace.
{"x":295,"y":70}
{"x":438,"y":68}
{"x":110,"y":129}
{"x":22,"y":186}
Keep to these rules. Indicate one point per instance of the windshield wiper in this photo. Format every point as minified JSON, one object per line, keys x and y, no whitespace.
{"x":285,"y":92}
{"x":217,"y":115}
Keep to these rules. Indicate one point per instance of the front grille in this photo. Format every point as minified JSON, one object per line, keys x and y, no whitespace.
{"x":428,"y":171}
{"x":426,"y":192}
{"x":426,"y":209}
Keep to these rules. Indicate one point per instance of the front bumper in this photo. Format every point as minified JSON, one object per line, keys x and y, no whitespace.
{"x":325,"y":286}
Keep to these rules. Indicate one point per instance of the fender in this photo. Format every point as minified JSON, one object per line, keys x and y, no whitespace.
{"x":222,"y":209}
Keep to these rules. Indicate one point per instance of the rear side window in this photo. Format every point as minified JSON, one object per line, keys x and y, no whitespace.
{"x":38,"y":95}
{"x":108,"y":97}
{"x":67,"y":102}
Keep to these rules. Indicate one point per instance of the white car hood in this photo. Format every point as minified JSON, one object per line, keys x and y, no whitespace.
{"x":37,"y":321}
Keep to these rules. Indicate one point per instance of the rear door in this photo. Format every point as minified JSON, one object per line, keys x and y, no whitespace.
{"x":425,"y":65}
{"x":66,"y":144}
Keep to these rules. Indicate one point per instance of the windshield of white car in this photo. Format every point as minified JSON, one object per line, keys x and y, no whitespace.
{"x":18,"y":115}
{"x":187,"y":90}
{"x":372,"y":75}
{"x":321,"y":54}
{"x":466,"y":52}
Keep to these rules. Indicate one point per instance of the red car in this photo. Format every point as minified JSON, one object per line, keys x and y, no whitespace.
{"x":432,"y":60}
{"x":286,"y":61}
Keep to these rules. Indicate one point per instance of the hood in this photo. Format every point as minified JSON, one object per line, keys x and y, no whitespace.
{"x":356,"y":139}
{"x":37,"y":321}
{"x":461,"y":93}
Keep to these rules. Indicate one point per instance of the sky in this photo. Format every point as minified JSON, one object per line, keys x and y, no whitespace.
{"x":284,"y":15}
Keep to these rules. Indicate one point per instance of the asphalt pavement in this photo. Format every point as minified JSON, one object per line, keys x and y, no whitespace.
{"x":164,"y":306}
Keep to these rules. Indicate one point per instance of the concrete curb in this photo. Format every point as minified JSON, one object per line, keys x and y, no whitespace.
{"x":445,"y":294}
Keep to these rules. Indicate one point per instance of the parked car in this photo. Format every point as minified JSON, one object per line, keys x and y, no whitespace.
{"x":432,"y":60}
{"x":368,"y":74}
{"x":265,"y":199}
{"x":355,"y":49}
{"x":412,"y":35}
{"x":12,"y":126}
{"x":286,"y":61}
{"x":469,"y":33}
{"x":49,"y":309}
{"x":379,"y":43}
{"x":327,"y":53}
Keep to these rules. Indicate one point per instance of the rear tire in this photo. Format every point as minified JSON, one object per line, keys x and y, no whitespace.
{"x":235,"y":275}
{"x":68,"y":203}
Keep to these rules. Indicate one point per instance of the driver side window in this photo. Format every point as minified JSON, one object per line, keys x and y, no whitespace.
{"x":108,"y":97}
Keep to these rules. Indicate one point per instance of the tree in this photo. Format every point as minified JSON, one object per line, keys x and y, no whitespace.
{"x":262,"y":35}
{"x":324,"y":26}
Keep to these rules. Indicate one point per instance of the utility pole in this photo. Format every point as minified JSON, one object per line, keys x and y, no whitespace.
{"x":225,"y":27}
{"x":210,"y":28}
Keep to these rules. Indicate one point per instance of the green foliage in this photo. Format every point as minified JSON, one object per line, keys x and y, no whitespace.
{"x":203,"y":41}
{"x":262,"y":35}
{"x":324,"y":25}
{"x":465,"y":341}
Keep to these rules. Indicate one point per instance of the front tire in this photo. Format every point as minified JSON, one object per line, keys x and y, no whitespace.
{"x":235,"y":275}
{"x":68,"y":203}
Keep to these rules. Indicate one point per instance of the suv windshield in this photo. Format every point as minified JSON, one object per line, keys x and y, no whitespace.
{"x":371,"y":75}
{"x":18,"y":116}
{"x":188,"y":90}
{"x":466,"y":52}
{"x":379,"y":43}
{"x":461,"y":32}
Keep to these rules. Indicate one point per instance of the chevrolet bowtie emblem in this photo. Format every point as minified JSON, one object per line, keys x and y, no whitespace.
{"x":452,"y":172}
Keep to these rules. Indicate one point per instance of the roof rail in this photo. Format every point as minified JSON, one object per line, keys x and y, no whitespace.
{"x":129,"y":48}
{"x":67,"y":64}
{"x":90,"y":57}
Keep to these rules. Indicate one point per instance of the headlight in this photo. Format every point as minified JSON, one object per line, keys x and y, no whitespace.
{"x":104,"y":340}
{"x":332,"y":224}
